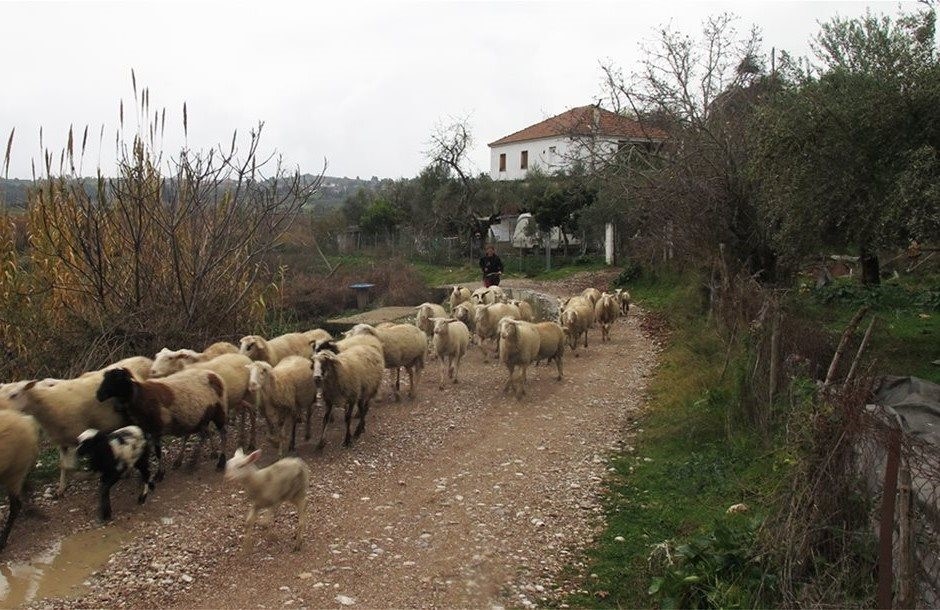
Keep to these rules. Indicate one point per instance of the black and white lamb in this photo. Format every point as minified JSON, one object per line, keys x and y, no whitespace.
{"x":112,"y":454}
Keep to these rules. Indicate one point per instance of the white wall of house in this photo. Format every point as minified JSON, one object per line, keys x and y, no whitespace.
{"x":549,"y":154}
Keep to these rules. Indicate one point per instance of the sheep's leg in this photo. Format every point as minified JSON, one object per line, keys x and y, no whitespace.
{"x":397,"y":383}
{"x":327,"y":409}
{"x":179,"y":457}
{"x":108,"y":479}
{"x":15,"y":504}
{"x":301,"y":505}
{"x":363,"y":409}
{"x":242,"y":416}
{"x":249,"y":527}
{"x":197,"y":450}
{"x":445,"y":366}
{"x":522,"y":382}
{"x":509,"y":379}
{"x":558,"y":365}
{"x":585,"y":338}
{"x":349,"y":407}
{"x":67,"y":462}
{"x":412,"y":380}
{"x":456,"y":365}
{"x":158,"y":447}
{"x":143,"y":467}
{"x":309,"y":416}
{"x":252,"y":444}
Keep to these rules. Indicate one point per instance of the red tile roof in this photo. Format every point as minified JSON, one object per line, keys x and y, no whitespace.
{"x":583,"y":121}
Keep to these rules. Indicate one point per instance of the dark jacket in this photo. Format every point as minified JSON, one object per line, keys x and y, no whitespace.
{"x":490,"y":264}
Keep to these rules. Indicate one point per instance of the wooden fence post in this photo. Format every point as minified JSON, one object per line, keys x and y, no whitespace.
{"x":905,"y":533}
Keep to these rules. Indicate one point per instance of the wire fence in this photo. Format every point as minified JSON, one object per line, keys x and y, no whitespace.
{"x":901,"y":470}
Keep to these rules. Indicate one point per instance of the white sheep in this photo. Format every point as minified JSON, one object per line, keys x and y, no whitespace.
{"x":19,"y":448}
{"x":404,"y":345}
{"x":465,"y":312}
{"x":488,"y":296}
{"x":284,"y":481}
{"x":458,"y":295}
{"x":274,"y":350}
{"x":623,"y":299}
{"x":576,"y":322}
{"x":606,"y":311}
{"x":486,"y":321}
{"x":286,"y":392}
{"x":350,"y":378}
{"x":551,"y":344}
{"x":426,"y":311}
{"x":451,"y":338}
{"x":169,"y":361}
{"x":518,"y":348}
{"x":526,"y":312}
{"x":181,"y":404}
{"x":591,"y":295}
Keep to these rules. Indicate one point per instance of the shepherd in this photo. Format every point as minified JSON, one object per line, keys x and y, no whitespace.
{"x":491,"y":265}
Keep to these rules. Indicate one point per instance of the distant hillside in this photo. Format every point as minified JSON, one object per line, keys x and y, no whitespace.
{"x":332,"y":191}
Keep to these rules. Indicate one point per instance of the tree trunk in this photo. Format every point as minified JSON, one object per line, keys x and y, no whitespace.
{"x":871,"y":271}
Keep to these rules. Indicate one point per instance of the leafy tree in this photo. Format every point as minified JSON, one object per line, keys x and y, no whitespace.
{"x":846,"y":152}
{"x":356,"y":204}
{"x":380,"y":217}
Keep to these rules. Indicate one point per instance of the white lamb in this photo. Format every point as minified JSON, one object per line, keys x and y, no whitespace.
{"x":518,"y":348}
{"x":350,"y":378}
{"x":404,"y":345}
{"x":285,"y":392}
{"x":623,"y":299}
{"x":284,"y":481}
{"x":451,"y":338}
{"x":606,"y":311}
{"x":464,"y":312}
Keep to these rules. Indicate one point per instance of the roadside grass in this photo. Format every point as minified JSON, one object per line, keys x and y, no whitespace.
{"x":684,"y":469}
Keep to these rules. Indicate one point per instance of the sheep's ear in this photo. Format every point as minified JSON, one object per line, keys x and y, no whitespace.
{"x":253,"y":456}
{"x":30,"y":385}
{"x":238,"y":453}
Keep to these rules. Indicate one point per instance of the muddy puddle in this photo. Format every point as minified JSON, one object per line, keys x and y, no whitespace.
{"x":61,"y":569}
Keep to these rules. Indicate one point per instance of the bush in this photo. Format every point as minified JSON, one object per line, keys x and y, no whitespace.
{"x":631,"y":271}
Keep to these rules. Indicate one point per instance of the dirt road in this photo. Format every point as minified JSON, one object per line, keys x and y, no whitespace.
{"x":461,"y":498}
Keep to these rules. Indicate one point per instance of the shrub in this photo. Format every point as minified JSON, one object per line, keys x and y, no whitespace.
{"x":631,"y":271}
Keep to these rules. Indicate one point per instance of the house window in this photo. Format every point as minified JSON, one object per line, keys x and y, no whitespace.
{"x":502,"y":162}
{"x":525,"y":160}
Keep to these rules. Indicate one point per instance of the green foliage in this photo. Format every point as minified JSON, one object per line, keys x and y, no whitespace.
{"x":379,"y":217}
{"x":715,"y":569}
{"x":846,"y":156}
{"x":632,"y":271}
{"x":888,"y":295}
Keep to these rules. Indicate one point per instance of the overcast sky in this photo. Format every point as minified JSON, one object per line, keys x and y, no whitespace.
{"x":361,"y":84}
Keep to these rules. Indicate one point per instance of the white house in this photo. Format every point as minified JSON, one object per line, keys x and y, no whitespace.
{"x":583,"y":133}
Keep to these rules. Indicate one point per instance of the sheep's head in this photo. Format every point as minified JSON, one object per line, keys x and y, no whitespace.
{"x":321,"y":365}
{"x":507,"y":329}
{"x":253,"y":346}
{"x":440,"y":325}
{"x":462,"y":313}
{"x":240,"y":465}
{"x":362,"y":329}
{"x":117,"y":383}
{"x":324,"y":345}
{"x":259,"y":375}
{"x":480,"y":314}
{"x":89,"y":439}
{"x":168,"y":362}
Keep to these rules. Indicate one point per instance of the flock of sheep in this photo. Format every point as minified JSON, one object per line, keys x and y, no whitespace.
{"x":117,"y":416}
